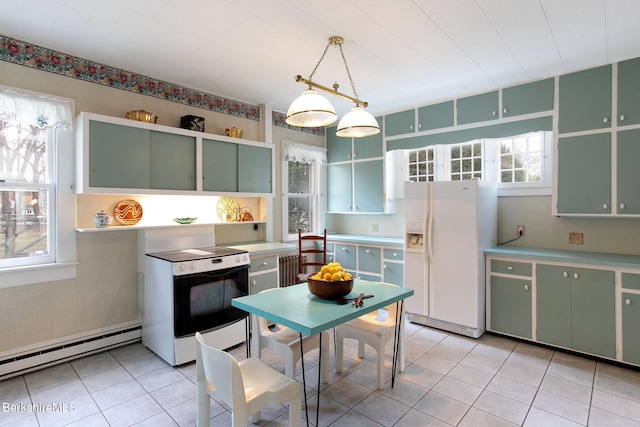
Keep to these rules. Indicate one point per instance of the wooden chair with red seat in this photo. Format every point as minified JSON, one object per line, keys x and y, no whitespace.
{"x":307,"y":255}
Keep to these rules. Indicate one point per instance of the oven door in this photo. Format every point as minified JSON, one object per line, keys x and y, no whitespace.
{"x":202,"y":301}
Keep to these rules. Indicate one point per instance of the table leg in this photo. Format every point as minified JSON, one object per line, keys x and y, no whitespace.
{"x":396,"y":340}
{"x":247,"y":334}
{"x":304,"y":381}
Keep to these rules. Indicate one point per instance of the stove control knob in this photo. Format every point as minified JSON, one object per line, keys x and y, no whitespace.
{"x":245,"y":258}
{"x":237,"y":259}
{"x":192,"y":267}
{"x":182,"y":267}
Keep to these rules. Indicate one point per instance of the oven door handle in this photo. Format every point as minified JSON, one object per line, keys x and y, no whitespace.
{"x":225,"y":272}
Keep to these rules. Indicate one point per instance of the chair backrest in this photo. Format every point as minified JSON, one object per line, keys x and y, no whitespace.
{"x":307,"y":256}
{"x":221,"y":372}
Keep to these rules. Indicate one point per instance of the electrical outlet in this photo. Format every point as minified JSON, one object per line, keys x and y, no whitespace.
{"x":520,"y":230}
{"x":374,"y":228}
{"x":575,"y":238}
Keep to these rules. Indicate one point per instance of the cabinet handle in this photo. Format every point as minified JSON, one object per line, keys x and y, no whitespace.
{"x":253,"y":283}
{"x":411,"y":127}
{"x":526,"y":287}
{"x":605,"y":206}
{"x":576,"y":276}
{"x":627,"y":301}
{"x":93,"y":171}
{"x":622,"y":117}
{"x":565,"y":274}
{"x":344,"y":249}
{"x":368,"y":251}
{"x":348,"y":156}
{"x":264,"y":263}
{"x":395,"y":254}
{"x":504,"y":111}
{"x":622,"y":206}
{"x":419,"y":125}
{"x":605,"y":120}
{"x":384,"y":267}
{"x":494,"y":113}
{"x":510,"y":268}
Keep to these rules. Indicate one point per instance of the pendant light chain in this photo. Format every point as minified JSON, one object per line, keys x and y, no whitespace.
{"x":321,"y":58}
{"x":353,"y":86}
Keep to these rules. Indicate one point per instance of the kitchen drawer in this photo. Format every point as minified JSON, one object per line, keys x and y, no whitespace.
{"x":262,"y":264}
{"x":260,"y":282}
{"x":346,"y":256}
{"x":394,"y":254}
{"x":510,"y":267}
{"x":369,"y":259}
{"x":631,"y":281}
{"x":369,"y":277}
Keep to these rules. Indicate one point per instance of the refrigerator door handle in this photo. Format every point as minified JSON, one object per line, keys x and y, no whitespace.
{"x":429,"y":250}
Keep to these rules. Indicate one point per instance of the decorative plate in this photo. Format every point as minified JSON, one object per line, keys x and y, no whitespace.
{"x":128,"y":212}
{"x":185,"y":220}
{"x":227,"y":206}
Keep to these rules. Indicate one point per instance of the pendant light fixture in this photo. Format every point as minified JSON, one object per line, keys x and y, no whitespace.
{"x":314,"y":110}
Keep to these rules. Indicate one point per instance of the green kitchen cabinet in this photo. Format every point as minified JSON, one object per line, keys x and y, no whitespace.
{"x":584,"y":174}
{"x":393,"y":272}
{"x":576,"y":308}
{"x":346,"y":256}
{"x":629,"y":92}
{"x":630,"y":329}
{"x":528,"y":98}
{"x":435,"y":116}
{"x":368,"y":186}
{"x":230,"y":167}
{"x":369,"y":147}
{"x":400,"y":123}
{"x":585,"y":100}
{"x":119,"y":156}
{"x":628,"y":172}
{"x":369,"y":259}
{"x":477,"y":108}
{"x":339,"y":179}
{"x":511,"y":311}
{"x":338,"y":149}
{"x":173,"y":161}
{"x":219,"y":166}
{"x":254,"y":169}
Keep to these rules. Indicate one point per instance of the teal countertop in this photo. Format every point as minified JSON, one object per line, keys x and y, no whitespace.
{"x":361,"y":238}
{"x":592,"y":258}
{"x":260,"y":248}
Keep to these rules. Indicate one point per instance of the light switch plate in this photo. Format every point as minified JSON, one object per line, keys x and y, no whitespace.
{"x":575,"y":238}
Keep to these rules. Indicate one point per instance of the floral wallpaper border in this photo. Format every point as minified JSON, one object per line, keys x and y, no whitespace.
{"x":43,"y":59}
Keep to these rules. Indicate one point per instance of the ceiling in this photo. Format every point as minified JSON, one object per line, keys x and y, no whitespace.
{"x":400,"y":53}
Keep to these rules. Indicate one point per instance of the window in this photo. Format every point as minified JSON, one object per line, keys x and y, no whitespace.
{"x":36,"y":179}
{"x":521,"y":159}
{"x":27,"y":189}
{"x":300,"y":179}
{"x":519,"y":164}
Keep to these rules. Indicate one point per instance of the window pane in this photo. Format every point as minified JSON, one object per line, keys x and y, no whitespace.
{"x":466,"y":165}
{"x":477,"y":149}
{"x":299,"y":178}
{"x":455,"y":152}
{"x":300,"y":214}
{"x":413,"y":156}
{"x":455,"y":167}
{"x":23,"y":154}
{"x":466,"y":150}
{"x":23,"y":223}
{"x":506,"y":176}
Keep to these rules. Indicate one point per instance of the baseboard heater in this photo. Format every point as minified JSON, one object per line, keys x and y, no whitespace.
{"x":28,"y":361}
{"x":445,"y":326}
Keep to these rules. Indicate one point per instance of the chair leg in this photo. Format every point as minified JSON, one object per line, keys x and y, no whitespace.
{"x":325,"y":361}
{"x":254,"y":418}
{"x":339,"y":354}
{"x":295,"y":412}
{"x":381,"y":360}
{"x":361,"y":349}
{"x":203,"y":405}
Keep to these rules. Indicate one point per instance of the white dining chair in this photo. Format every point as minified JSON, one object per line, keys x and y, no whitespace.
{"x":375,"y":329}
{"x":246,"y":386}
{"x":286,"y":342}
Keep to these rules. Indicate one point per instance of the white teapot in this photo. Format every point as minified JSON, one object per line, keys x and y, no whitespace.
{"x":102,"y":219}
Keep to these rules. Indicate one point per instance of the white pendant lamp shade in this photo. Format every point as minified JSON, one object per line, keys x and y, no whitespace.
{"x":311,"y":110}
{"x":357,"y":123}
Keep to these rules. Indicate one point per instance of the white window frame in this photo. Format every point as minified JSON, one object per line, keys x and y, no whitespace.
{"x":318,"y":171}
{"x":62,"y":202}
{"x":491,"y":166}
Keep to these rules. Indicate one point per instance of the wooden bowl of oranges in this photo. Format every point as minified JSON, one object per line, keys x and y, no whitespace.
{"x":331,"y":282}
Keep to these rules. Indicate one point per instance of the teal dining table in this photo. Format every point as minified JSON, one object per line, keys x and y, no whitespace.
{"x":296,"y":308}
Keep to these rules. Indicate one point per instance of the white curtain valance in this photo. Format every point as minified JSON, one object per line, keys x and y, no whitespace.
{"x":34,"y":109}
{"x":295,"y":152}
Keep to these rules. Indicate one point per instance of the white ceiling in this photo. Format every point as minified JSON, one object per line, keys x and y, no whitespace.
{"x":400,"y":52}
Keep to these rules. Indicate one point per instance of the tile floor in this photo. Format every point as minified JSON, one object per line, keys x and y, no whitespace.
{"x":449,"y":380}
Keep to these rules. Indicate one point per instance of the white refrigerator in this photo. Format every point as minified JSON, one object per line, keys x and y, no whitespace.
{"x":447,"y":227}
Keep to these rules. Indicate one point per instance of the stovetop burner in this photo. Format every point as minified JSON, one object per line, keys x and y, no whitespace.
{"x":196,"y":254}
